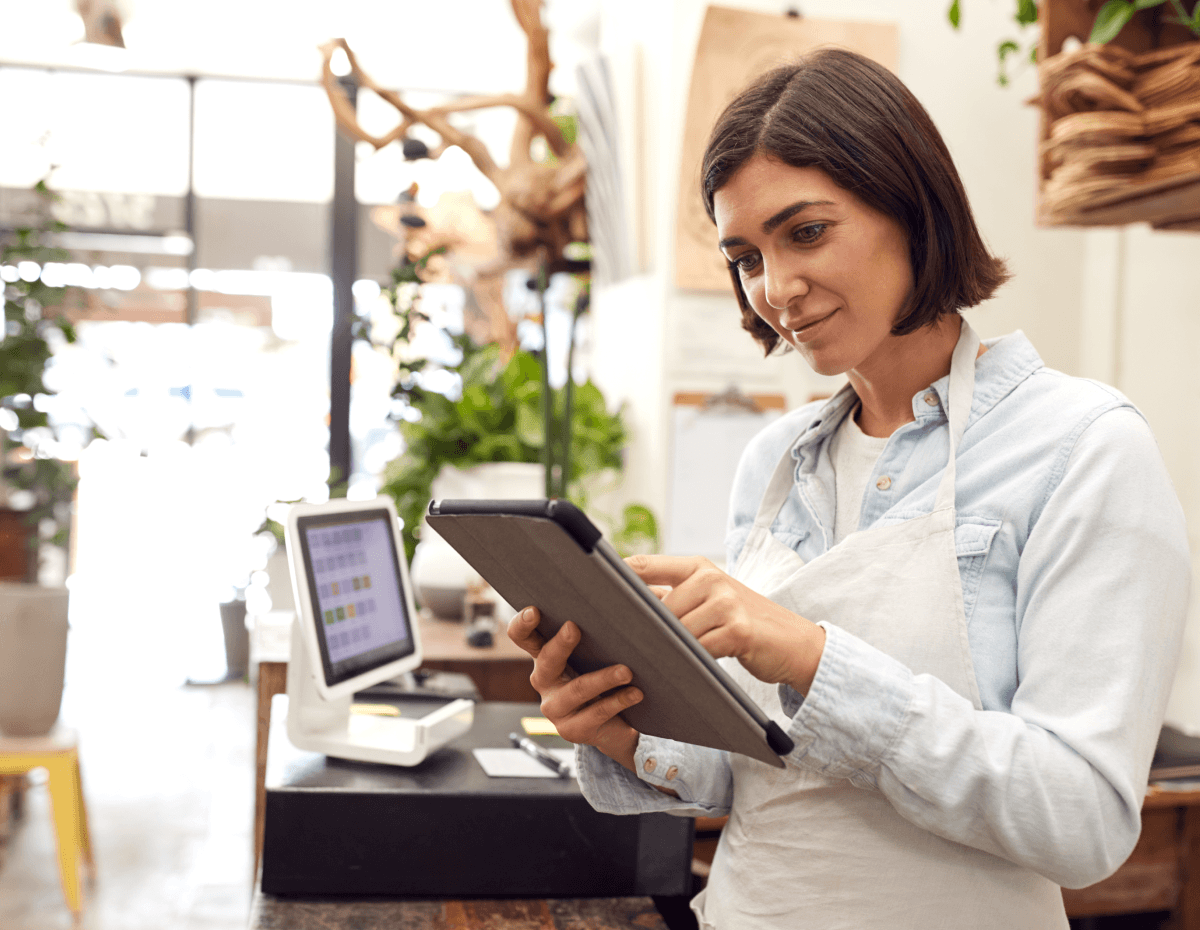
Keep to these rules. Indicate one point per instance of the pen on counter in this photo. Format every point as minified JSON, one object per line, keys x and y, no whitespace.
{"x":548,"y":759}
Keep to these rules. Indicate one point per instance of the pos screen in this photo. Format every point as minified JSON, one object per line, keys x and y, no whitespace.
{"x":354,"y":581}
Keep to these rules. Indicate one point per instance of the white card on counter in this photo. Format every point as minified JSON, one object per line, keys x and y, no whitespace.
{"x":514,"y":763}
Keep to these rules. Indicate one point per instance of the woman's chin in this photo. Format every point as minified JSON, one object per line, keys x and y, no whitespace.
{"x":822,"y":363}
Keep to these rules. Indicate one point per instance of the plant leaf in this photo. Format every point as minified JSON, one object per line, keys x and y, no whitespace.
{"x":530,"y":426}
{"x":1110,"y":21}
{"x":1027,"y":12}
{"x":954,"y":14}
{"x":638,"y":532}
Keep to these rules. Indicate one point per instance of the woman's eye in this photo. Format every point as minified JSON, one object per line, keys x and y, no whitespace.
{"x":744,"y":263}
{"x":810,"y":233}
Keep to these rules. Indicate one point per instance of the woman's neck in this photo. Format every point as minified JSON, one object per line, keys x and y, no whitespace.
{"x":903,"y":366}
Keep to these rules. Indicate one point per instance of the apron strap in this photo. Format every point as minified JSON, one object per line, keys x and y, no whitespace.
{"x":777,"y":489}
{"x":962,"y":390}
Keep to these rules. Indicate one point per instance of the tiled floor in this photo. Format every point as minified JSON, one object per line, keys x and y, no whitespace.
{"x":169,"y":780}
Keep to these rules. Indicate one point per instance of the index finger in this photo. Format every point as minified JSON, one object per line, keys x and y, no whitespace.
{"x":670,"y":570}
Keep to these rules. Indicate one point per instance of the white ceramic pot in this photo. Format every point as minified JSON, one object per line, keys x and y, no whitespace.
{"x":33,"y":657}
{"x":439,"y":574}
{"x":503,"y":481}
{"x":279,"y":581}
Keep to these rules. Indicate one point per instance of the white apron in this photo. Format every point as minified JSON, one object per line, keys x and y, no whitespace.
{"x":803,"y":851}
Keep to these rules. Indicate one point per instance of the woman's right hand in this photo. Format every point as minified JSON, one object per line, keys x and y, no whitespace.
{"x":573,"y":703}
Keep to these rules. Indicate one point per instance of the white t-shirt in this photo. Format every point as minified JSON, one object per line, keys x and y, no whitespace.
{"x":854,"y":455}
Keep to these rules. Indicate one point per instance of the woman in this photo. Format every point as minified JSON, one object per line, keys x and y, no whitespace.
{"x":959,"y":584}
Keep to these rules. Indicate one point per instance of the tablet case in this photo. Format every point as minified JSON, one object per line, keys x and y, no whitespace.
{"x":549,"y":555}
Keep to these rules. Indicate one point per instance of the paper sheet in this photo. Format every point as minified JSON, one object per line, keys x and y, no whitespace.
{"x":513,"y":763}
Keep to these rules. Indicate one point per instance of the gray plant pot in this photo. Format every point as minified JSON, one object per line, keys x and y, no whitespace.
{"x":33,"y":657}
{"x":237,"y":638}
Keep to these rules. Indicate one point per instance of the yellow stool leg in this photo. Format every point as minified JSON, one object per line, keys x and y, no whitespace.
{"x":63,"y":769}
{"x":85,"y":833}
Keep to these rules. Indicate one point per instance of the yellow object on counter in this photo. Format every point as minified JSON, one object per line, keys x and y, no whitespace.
{"x":375,"y":710}
{"x":538,"y":726}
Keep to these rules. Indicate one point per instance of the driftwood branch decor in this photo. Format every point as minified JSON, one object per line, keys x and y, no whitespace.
{"x":541,"y":206}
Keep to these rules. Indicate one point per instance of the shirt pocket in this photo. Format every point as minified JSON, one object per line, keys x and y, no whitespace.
{"x":735,"y":541}
{"x":973,"y":538}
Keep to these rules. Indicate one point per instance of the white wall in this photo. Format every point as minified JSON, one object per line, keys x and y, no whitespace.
{"x":1157,"y":328}
{"x":1121,"y":307}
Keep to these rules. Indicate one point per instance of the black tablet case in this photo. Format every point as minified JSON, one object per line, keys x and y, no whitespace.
{"x":533,"y":560}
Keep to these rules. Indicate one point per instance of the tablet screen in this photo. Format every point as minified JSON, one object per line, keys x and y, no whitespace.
{"x":355,"y":584}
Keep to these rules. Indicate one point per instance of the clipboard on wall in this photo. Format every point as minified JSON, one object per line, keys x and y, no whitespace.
{"x":708,"y":434}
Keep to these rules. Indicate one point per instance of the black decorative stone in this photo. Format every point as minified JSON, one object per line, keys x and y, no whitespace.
{"x":415,"y":149}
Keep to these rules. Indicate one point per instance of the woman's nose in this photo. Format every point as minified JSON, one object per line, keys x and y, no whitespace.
{"x":783,"y":284}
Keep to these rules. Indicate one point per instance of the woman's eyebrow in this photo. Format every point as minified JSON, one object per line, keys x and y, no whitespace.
{"x":772,"y":224}
{"x":788,"y":212}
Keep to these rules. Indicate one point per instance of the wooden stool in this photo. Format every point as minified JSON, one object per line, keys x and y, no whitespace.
{"x":58,"y":754}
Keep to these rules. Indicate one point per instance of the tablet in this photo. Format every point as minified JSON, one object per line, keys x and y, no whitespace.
{"x":548,"y":554}
{"x":352,"y":593}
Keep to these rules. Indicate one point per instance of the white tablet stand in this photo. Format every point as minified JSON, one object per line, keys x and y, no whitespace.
{"x":319,"y":725}
{"x":319,"y":712}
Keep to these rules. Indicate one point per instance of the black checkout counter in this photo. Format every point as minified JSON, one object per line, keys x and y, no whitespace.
{"x":349,"y":832}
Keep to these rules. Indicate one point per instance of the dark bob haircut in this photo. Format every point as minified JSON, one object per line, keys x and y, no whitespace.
{"x":853,"y":119}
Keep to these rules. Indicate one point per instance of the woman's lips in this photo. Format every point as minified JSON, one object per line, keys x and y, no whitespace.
{"x":809,"y":330}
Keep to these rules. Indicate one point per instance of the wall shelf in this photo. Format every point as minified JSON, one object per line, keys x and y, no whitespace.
{"x":1138,"y":159}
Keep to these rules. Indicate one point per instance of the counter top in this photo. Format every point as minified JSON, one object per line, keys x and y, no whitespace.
{"x":275,"y":913}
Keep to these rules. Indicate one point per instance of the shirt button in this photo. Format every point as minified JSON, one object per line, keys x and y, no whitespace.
{"x":931,"y":399}
{"x":671,"y":773}
{"x":884,"y":483}
{"x":650,"y":765}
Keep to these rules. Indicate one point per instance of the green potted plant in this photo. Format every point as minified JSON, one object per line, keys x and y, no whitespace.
{"x":37,"y":489}
{"x":504,"y":413}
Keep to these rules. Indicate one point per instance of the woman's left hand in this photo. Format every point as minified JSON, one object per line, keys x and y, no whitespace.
{"x":773,"y":644}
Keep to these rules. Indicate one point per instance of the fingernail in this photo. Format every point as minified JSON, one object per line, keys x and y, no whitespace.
{"x":526,"y":614}
{"x":632,"y":696}
{"x":624,"y":675}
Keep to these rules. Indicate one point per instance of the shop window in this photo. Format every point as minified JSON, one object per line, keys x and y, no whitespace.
{"x":263,"y":141}
{"x":115,"y":133}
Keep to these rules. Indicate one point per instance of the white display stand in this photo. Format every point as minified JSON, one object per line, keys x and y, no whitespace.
{"x":319,"y":712}
{"x":319,"y":725}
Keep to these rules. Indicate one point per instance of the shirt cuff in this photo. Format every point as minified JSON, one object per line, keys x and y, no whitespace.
{"x":855,"y":710}
{"x":612,"y":789}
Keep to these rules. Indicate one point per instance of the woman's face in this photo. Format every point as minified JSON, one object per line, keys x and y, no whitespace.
{"x":828,"y":273}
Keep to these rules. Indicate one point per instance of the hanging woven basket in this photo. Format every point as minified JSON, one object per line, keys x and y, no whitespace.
{"x":1120,"y":122}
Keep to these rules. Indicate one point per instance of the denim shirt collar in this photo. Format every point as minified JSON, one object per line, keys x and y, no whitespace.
{"x":1007,"y":362}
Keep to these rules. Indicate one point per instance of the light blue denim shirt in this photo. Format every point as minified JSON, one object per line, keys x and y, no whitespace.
{"x":1075,"y":570}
